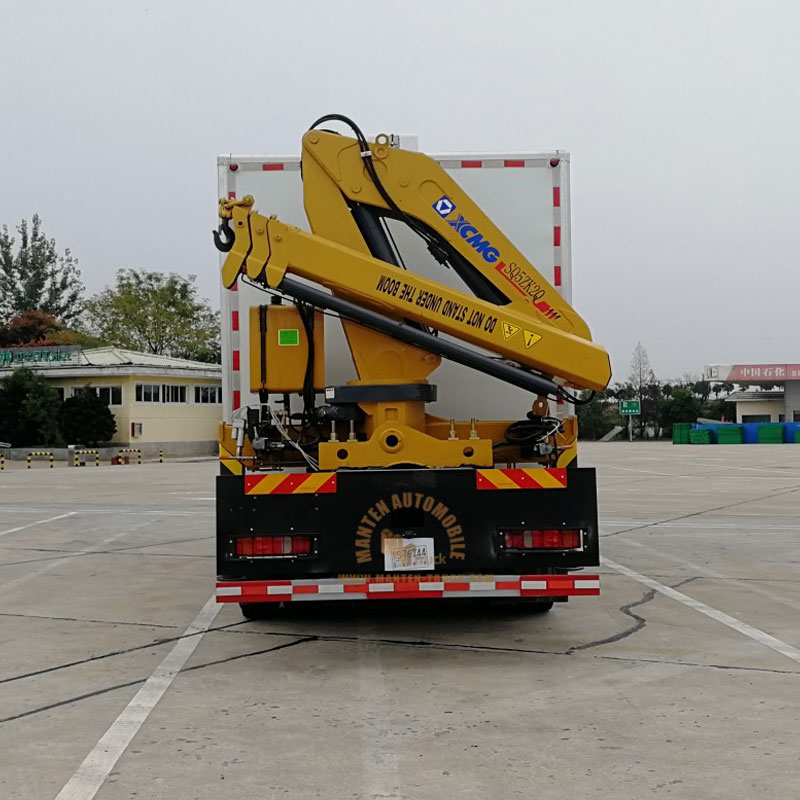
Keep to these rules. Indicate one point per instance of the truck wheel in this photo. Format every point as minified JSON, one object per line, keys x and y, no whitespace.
{"x":257,"y":610}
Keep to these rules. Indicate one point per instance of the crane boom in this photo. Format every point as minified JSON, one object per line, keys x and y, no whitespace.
{"x":267,"y":250}
{"x":339,"y":178}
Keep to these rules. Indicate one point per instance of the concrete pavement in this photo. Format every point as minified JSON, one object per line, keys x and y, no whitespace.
{"x":629,"y":695}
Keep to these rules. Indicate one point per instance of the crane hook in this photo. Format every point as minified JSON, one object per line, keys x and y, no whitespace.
{"x":224,"y":236}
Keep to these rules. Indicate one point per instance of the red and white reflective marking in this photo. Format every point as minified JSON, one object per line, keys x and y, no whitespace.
{"x":557,"y":256}
{"x":234,"y":340}
{"x":407,"y":588}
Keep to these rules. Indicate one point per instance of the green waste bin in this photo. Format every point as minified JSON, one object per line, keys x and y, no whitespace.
{"x":701,"y":436}
{"x":730,"y":434}
{"x":770,"y":433}
{"x":680,"y":432}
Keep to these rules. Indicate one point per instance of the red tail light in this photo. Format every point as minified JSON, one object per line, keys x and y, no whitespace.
{"x":542,"y":540}
{"x":273,"y":546}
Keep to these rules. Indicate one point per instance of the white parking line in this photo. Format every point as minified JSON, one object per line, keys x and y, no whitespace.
{"x":726,"y":619}
{"x":707,"y":572}
{"x":38,"y":522}
{"x":91,"y":774}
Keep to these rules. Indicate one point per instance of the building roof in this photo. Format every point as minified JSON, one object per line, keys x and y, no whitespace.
{"x":743,"y":397}
{"x":71,"y":361}
{"x":116,"y":356}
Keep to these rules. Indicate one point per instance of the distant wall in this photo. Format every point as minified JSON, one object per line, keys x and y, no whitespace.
{"x":177,"y":423}
{"x":791,"y":397}
{"x":773,"y":408}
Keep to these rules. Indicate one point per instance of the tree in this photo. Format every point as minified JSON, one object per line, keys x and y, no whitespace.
{"x":28,"y":409}
{"x":720,"y":409}
{"x":651,"y":407}
{"x":156,"y":313}
{"x":642,"y":374}
{"x":74,"y":336}
{"x":645,"y":388}
{"x":724,"y":387}
{"x":680,"y":406}
{"x":38,"y":328}
{"x":597,"y":418}
{"x":86,"y":419}
{"x":35,"y":277}
{"x":29,"y":328}
{"x":703,"y":388}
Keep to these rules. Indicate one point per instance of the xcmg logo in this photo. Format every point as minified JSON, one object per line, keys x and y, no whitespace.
{"x":444,"y":206}
{"x":474,"y":239}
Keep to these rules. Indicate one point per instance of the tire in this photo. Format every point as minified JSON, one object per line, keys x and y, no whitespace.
{"x":257,"y":610}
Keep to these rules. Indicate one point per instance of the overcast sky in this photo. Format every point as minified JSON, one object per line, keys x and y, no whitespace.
{"x":682,"y":119}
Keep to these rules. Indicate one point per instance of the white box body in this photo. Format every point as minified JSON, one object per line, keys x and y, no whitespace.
{"x":526,"y":194}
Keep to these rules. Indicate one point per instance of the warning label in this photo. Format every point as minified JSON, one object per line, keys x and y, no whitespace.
{"x":509,"y":330}
{"x":436,"y":306}
{"x":531,"y":338}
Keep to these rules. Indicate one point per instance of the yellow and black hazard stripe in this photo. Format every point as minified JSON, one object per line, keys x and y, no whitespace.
{"x":229,"y":463}
{"x":525,"y":478}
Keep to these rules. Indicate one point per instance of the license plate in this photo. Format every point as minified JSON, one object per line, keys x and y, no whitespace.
{"x":408,"y":555}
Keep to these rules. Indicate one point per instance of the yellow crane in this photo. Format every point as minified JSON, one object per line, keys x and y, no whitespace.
{"x":374,"y":433}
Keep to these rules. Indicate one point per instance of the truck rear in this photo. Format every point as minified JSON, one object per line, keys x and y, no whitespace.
{"x":308,"y":533}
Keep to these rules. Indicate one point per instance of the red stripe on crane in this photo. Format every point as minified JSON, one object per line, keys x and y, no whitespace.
{"x":471,"y":163}
{"x":271,"y":167}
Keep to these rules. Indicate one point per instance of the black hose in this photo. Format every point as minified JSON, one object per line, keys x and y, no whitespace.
{"x":435,"y":248}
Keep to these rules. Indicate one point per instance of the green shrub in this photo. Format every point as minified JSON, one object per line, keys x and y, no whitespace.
{"x":86,"y":419}
{"x":29,"y":410}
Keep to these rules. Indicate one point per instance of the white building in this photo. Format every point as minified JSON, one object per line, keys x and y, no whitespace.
{"x":158,"y":401}
{"x":777,"y":401}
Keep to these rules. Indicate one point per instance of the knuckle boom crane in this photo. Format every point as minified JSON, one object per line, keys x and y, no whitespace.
{"x":394,"y":501}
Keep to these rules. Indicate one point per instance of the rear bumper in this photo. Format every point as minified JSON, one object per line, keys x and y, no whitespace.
{"x":388,"y":587}
{"x":350,"y":513}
